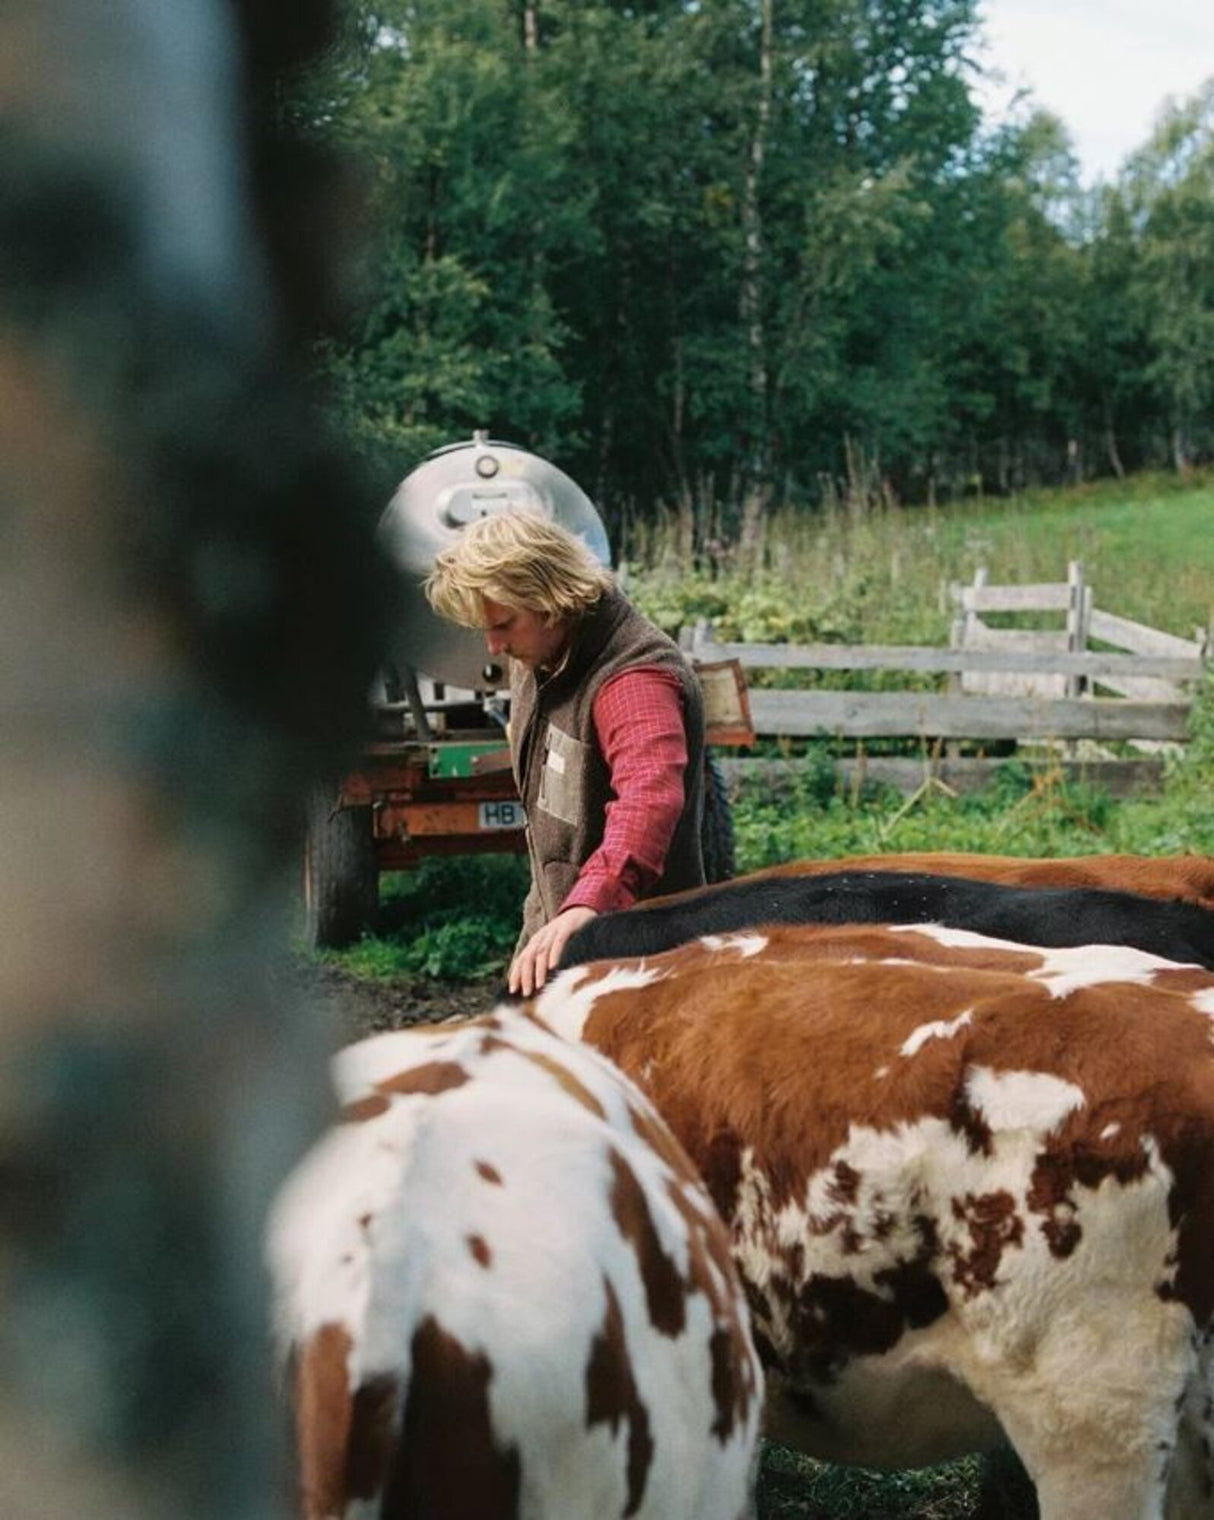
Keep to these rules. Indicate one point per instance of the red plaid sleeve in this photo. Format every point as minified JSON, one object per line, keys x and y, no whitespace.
{"x":638,"y":719}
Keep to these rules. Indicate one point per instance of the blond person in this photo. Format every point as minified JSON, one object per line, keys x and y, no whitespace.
{"x":606,"y":727}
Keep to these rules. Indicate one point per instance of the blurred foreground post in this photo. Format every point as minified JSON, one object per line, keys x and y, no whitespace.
{"x":188,"y":630}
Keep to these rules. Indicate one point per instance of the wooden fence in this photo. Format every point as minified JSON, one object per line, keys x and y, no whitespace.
{"x":1044,"y":687}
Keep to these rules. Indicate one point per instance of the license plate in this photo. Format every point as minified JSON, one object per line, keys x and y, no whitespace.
{"x":501,"y":815}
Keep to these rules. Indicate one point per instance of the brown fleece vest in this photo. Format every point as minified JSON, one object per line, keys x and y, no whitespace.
{"x":561,"y":773}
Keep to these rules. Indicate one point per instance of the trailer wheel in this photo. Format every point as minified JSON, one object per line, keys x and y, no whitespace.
{"x":341,"y":881}
{"x":716,"y":830}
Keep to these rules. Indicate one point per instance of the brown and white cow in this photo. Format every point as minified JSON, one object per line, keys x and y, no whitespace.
{"x":504,"y":1292}
{"x":1189,"y":878}
{"x":970,"y":1188}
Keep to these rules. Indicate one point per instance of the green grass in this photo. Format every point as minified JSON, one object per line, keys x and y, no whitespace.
{"x":451,"y":919}
{"x":1028,"y":809}
{"x":795,"y":1487}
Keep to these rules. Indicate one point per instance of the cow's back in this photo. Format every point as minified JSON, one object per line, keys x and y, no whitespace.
{"x":505,"y":1293}
{"x":1039,"y":915}
{"x":1186,"y":877}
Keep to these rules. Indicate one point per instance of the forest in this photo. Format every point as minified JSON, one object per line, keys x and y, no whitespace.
{"x":716,"y":257}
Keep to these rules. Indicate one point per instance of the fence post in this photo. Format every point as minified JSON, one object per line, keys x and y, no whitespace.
{"x":1078,"y":616}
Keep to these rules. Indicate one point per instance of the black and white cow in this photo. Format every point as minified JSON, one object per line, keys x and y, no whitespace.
{"x":1049,"y":916}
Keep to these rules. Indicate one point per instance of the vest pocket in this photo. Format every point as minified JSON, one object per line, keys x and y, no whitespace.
{"x":563,"y":778}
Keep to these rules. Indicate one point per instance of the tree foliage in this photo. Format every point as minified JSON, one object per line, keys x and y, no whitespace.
{"x":718,"y":254}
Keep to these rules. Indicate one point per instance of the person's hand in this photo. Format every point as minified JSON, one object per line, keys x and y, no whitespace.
{"x":530,"y":967}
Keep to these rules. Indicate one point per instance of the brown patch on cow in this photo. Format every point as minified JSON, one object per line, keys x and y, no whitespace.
{"x":993,"y":1225}
{"x":835,"y":1318}
{"x":840,"y":1224}
{"x":344,"y":1437}
{"x":448,"y":1460}
{"x":658,"y":1138}
{"x":1189,"y":877}
{"x":363,"y":1109}
{"x":732,"y":1381}
{"x":966,"y":1121}
{"x":479,"y":1247}
{"x":711,"y":1271}
{"x":1182,"y":980}
{"x":1050,"y":1197}
{"x":721,"y":1171}
{"x":373,"y":1432}
{"x":1057,"y":1174}
{"x":844,"y":1184}
{"x":665,"y":1294}
{"x":489,"y":1172}
{"x":570,"y":1083}
{"x":323,"y":1415}
{"x":612,"y":1396}
{"x":842,"y":1188}
{"x":427,"y":1080}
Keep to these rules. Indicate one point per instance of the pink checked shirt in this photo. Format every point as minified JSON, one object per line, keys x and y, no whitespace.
{"x":638,"y":719}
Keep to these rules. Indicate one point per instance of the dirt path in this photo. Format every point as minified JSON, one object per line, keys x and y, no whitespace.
{"x":360,"y":1007}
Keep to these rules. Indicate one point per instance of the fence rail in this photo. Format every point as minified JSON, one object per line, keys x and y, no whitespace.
{"x":1028,"y":685}
{"x":928,"y":658}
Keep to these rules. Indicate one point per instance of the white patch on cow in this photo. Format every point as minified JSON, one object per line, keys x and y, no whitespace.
{"x":880,"y":1073}
{"x":1203,"y":1001}
{"x":939,"y":1029}
{"x":1065,"y":967}
{"x":358,"y":1069}
{"x":1067,"y":970}
{"x":963,"y":939}
{"x":741,"y":945}
{"x":565,"y":1004}
{"x":1110,"y":1131}
{"x":1022,"y":1099}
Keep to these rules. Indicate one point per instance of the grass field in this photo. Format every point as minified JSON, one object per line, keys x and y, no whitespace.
{"x":880,"y":575}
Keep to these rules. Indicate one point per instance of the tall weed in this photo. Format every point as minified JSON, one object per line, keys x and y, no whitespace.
{"x":881,"y":575}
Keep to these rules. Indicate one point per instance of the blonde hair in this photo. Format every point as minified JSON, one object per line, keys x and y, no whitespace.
{"x":522,"y":561}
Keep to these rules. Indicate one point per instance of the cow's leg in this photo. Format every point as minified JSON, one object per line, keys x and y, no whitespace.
{"x":1093,"y":1449}
{"x":1094,"y":1409}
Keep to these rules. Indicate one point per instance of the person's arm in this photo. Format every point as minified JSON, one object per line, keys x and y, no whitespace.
{"x":638,"y":721}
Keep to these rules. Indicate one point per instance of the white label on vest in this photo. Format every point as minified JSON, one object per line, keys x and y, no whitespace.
{"x":557,"y":761}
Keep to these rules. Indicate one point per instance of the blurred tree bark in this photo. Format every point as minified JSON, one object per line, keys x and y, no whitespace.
{"x":188,"y":612}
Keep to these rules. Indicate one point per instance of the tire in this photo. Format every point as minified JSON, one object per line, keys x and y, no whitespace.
{"x":341,"y":881}
{"x":716,"y":829}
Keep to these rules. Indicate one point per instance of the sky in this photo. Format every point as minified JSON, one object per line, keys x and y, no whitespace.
{"x":1104,"y":67}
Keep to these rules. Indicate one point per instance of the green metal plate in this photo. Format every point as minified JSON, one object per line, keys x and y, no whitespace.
{"x":457,"y":760}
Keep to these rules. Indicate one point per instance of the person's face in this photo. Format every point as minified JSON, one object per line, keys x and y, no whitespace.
{"x":524,"y":635}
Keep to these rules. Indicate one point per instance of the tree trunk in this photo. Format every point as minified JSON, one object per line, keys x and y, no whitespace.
{"x":1110,"y":440}
{"x":1180,"y":451}
{"x":757,"y":490}
{"x":162,"y":1071}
